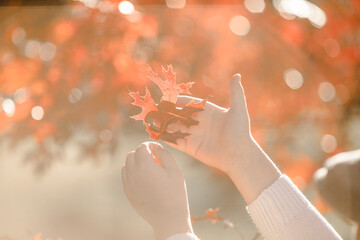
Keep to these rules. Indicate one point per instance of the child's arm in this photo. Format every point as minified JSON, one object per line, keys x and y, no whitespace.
{"x":222,"y":139}
{"x":157,"y":193}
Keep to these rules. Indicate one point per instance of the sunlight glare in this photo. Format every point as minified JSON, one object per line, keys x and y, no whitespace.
{"x":301,"y":9}
{"x":32,"y":48}
{"x":90,"y":3}
{"x":255,"y":6}
{"x":126,"y":7}
{"x":175,"y":4}
{"x":328,"y":143}
{"x":106,"y":7}
{"x":326,"y":91}
{"x":47,"y":51}
{"x":293,"y":78}
{"x":8,"y":106}
{"x":37,"y":113}
{"x":18,"y":36}
{"x":239,"y":25}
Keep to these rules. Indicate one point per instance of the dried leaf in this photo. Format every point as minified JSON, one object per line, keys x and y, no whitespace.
{"x":166,"y":111}
{"x":169,"y":88}
{"x":146,"y":103}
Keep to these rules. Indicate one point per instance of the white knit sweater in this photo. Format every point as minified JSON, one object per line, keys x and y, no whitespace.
{"x":282,"y":212}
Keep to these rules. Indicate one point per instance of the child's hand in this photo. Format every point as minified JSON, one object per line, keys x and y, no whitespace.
{"x":222,"y":139}
{"x":222,"y":135}
{"x":158,"y":193}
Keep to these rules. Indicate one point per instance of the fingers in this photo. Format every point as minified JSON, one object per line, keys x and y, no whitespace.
{"x":238,"y":101}
{"x":165,"y":158}
{"x":182,"y":100}
{"x":174,"y":127}
{"x":180,"y":144}
{"x":143,"y":153}
{"x":130,"y":160}
{"x":143,"y":158}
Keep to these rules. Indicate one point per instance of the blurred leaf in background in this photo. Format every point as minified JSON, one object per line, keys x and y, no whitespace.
{"x":67,"y":66}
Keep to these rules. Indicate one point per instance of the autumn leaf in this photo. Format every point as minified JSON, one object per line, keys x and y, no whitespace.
{"x":166,"y":112}
{"x":211,"y":215}
{"x":146,"y":103}
{"x":169,"y":88}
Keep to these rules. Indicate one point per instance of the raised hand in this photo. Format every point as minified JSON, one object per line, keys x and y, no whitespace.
{"x":222,"y":135}
{"x":157,"y":192}
{"x":222,"y":139}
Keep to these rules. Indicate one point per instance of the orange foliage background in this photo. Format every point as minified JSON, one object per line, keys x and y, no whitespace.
{"x":101,"y":55}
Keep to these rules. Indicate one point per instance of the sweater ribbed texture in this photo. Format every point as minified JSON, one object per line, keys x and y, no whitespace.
{"x":282,"y":212}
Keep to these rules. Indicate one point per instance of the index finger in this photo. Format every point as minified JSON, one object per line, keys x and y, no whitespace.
{"x":143,"y":153}
{"x":182,"y":100}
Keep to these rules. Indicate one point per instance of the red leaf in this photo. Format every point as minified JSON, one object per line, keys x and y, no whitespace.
{"x":146,"y":103}
{"x":200,"y":104}
{"x":168,"y":87}
{"x":166,"y":112}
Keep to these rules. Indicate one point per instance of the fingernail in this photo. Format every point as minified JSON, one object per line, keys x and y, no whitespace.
{"x":236,"y":77}
{"x":155,"y":147}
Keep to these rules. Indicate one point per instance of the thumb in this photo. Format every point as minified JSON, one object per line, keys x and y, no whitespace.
{"x":164,"y":157}
{"x":238,"y":101}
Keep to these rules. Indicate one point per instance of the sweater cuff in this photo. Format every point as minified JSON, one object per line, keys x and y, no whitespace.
{"x":183,"y":236}
{"x":276,"y":206}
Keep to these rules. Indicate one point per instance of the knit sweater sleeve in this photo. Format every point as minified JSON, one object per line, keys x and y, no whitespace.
{"x":282,"y":212}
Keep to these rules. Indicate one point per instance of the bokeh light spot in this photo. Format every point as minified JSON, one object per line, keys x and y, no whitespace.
{"x":240,"y":25}
{"x":75,"y":95}
{"x":301,"y":9}
{"x":18,"y":36}
{"x":326,"y":91}
{"x":90,"y":3}
{"x":176,"y":4}
{"x":37,"y":113}
{"x":105,"y":7}
{"x":21,"y":95}
{"x":47,"y":51}
{"x":8,"y":106}
{"x":293,"y":78}
{"x":332,"y":47}
{"x":328,"y":143}
{"x":32,"y":48}
{"x":255,"y":6}
{"x":105,"y":135}
{"x":126,"y":7}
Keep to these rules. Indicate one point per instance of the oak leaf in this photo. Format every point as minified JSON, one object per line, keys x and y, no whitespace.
{"x":146,"y":103}
{"x":166,"y":112}
{"x":169,"y":88}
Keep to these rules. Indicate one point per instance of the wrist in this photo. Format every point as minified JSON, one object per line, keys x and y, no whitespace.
{"x":239,"y":156}
{"x":253,"y":171}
